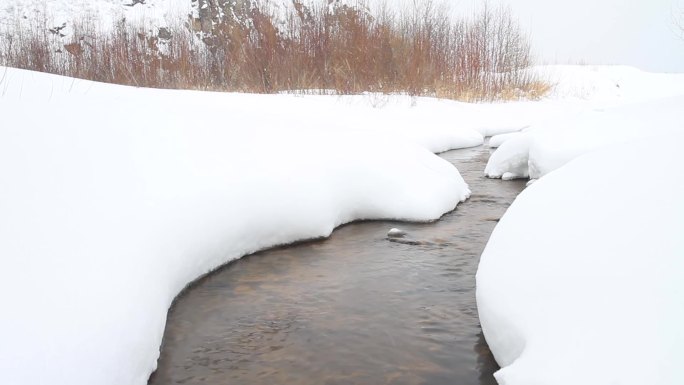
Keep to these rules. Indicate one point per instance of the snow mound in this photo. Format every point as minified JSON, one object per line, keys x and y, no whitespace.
{"x":511,"y":159}
{"x":113,"y":198}
{"x":548,"y":146}
{"x":582,"y":280}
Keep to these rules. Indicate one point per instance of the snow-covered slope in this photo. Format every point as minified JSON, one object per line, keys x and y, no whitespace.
{"x":113,"y":198}
{"x":582,"y":281}
{"x":152,"y":14}
{"x":605,"y":106}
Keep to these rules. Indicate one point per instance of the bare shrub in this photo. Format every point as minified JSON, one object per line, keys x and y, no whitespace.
{"x":247,"y":45}
{"x":678,"y":20}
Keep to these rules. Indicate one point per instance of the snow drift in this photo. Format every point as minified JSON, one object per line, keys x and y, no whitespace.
{"x":112,"y":199}
{"x":582,"y":280}
{"x":545,"y":148}
{"x":603,"y":106}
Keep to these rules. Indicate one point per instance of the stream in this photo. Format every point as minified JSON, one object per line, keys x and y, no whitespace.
{"x":356,"y":308}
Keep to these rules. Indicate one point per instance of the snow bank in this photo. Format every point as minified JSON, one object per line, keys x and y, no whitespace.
{"x":548,"y":146}
{"x":582,"y":280}
{"x":511,"y":159}
{"x":553,"y":147}
{"x":112,"y":199}
{"x":593,"y":107}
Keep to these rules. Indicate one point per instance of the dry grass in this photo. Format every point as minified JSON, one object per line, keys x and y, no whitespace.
{"x":346,"y":49}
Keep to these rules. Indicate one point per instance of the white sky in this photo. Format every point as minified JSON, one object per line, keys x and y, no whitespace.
{"x":640,"y":33}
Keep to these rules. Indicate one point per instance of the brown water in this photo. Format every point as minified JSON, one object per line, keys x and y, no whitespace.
{"x":352,"y":309}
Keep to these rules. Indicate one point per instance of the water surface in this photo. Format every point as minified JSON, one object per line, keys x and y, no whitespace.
{"x":352,"y":309}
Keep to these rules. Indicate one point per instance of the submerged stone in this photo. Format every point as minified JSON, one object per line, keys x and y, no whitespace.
{"x":396,"y":233}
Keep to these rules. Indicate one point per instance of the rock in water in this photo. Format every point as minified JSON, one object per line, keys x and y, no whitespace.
{"x":396,"y":233}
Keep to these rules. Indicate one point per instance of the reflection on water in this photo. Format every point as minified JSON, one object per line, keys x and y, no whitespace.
{"x":352,"y":309}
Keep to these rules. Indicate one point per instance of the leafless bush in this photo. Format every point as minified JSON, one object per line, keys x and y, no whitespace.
{"x":678,"y":20}
{"x":245,"y":46}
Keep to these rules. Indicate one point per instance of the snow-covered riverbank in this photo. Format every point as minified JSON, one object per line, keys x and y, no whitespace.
{"x":581,"y":282}
{"x":113,"y":198}
{"x":616,"y":105}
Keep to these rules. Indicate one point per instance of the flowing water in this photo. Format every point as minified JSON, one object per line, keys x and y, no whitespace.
{"x":356,"y":308}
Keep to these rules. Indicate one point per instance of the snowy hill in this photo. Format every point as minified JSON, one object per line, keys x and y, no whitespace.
{"x":60,"y":15}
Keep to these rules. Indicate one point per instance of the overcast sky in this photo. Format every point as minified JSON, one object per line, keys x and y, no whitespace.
{"x":640,"y":33}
